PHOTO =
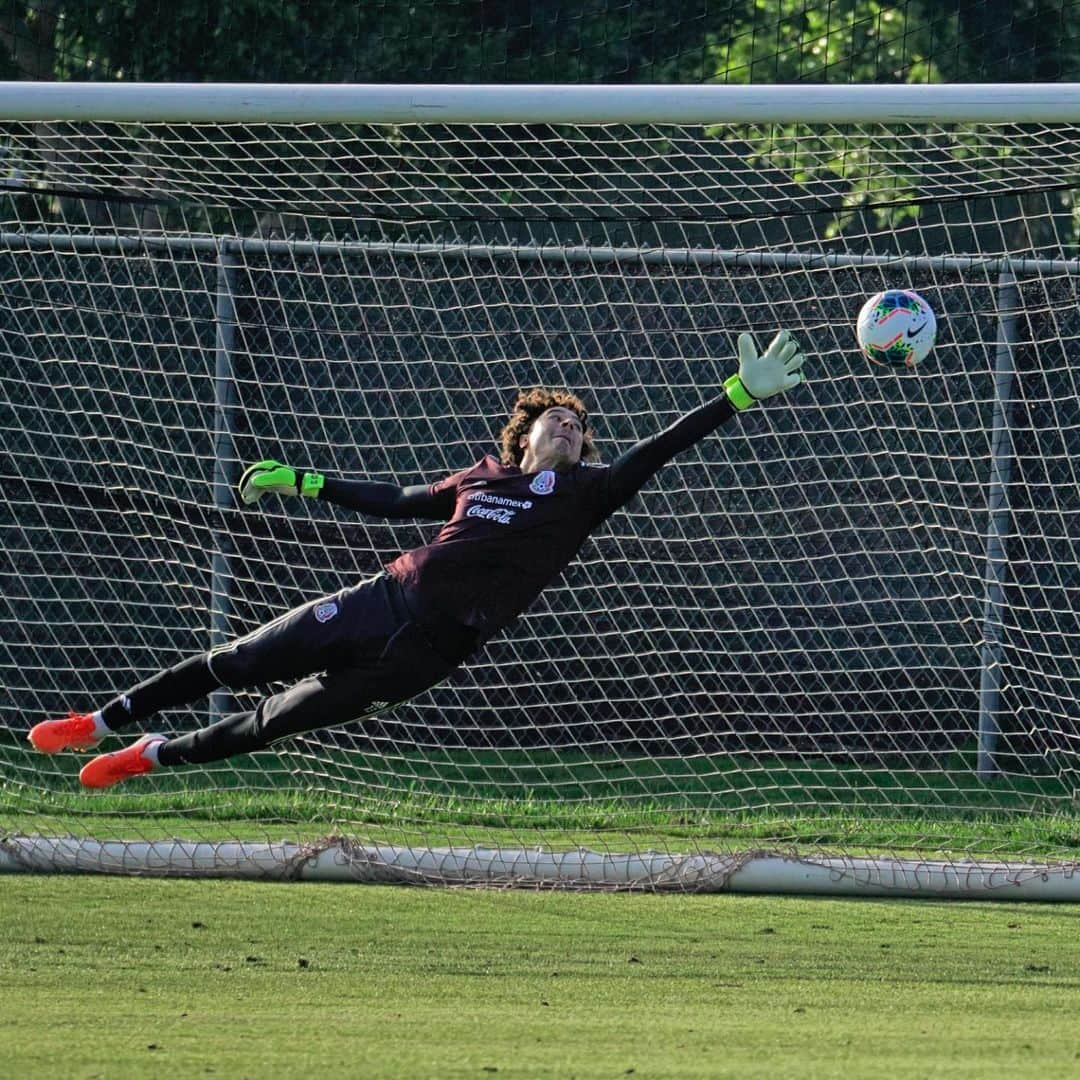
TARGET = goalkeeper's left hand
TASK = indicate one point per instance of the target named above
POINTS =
(777, 369)
(266, 476)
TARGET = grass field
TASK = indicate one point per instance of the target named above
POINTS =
(123, 977)
(120, 977)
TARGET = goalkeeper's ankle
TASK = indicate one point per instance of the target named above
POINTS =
(115, 715)
(150, 750)
(101, 729)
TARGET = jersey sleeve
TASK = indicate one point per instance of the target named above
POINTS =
(632, 469)
(390, 500)
(434, 502)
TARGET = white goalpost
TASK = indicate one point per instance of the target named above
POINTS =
(833, 651)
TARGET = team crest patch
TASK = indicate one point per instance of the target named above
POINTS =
(325, 612)
(543, 483)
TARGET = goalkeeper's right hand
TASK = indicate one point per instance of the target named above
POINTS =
(266, 476)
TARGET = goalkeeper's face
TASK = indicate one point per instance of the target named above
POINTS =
(554, 440)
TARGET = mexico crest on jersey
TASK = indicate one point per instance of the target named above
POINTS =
(325, 612)
(543, 483)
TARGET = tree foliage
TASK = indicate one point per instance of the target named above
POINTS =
(540, 40)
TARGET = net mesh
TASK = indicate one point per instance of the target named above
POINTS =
(781, 641)
(768, 184)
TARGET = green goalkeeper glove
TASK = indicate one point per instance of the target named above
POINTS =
(266, 476)
(779, 368)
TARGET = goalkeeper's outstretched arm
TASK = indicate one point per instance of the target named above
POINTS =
(364, 496)
(760, 376)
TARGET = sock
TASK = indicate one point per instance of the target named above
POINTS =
(150, 751)
(100, 727)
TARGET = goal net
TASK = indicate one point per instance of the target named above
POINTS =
(834, 641)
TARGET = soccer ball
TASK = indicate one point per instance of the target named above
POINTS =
(896, 328)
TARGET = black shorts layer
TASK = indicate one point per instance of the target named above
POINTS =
(349, 630)
(363, 649)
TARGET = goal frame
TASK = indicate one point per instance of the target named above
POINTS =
(376, 103)
(768, 871)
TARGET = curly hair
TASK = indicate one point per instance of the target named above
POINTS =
(530, 404)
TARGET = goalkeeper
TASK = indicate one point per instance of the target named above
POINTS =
(511, 526)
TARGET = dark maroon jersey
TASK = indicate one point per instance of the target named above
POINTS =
(510, 535)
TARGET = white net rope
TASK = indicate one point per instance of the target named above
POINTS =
(780, 642)
(418, 173)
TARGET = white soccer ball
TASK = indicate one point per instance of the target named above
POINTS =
(896, 328)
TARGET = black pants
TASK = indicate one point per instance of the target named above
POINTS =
(363, 650)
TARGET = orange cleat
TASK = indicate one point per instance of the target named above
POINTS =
(108, 769)
(75, 732)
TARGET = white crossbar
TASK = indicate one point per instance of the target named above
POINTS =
(550, 104)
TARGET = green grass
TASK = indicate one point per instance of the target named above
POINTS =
(120, 977)
(707, 802)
